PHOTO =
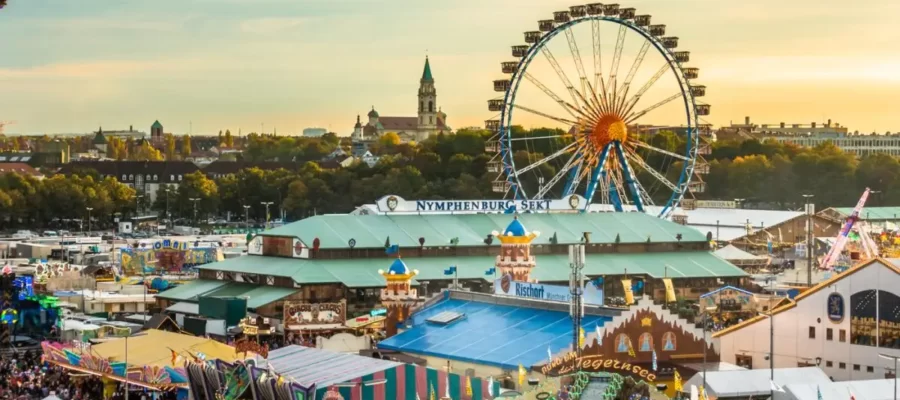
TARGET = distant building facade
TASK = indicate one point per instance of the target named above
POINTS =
(314, 132)
(429, 121)
(814, 134)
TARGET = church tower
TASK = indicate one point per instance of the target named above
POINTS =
(357, 130)
(515, 256)
(428, 109)
(398, 297)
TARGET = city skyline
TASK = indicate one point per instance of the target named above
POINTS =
(236, 64)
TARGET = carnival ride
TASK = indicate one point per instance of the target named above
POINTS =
(599, 147)
(843, 237)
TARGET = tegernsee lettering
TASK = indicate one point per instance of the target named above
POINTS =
(567, 363)
(482, 205)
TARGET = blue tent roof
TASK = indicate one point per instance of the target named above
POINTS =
(398, 267)
(515, 228)
(490, 334)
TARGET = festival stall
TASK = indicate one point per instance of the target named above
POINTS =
(152, 359)
(167, 256)
(742, 258)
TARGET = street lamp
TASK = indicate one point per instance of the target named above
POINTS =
(89, 219)
(771, 318)
(168, 217)
(894, 358)
(247, 217)
(267, 204)
(809, 239)
(195, 200)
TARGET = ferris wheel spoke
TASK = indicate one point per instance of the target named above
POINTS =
(544, 160)
(559, 72)
(647, 85)
(630, 180)
(596, 174)
(635, 116)
(614, 69)
(639, 143)
(637, 160)
(626, 85)
(534, 138)
(598, 59)
(566, 106)
(564, 171)
(576, 55)
(545, 115)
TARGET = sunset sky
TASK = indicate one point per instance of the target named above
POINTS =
(70, 66)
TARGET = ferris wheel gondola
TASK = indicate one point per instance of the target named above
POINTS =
(599, 146)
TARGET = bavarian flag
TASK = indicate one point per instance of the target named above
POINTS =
(678, 385)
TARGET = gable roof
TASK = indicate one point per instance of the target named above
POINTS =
(399, 123)
(19, 168)
(892, 265)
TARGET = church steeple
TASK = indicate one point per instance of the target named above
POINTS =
(427, 100)
(426, 74)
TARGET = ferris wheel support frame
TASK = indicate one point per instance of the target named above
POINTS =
(690, 105)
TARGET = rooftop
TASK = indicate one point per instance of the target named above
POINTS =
(490, 334)
(257, 296)
(363, 272)
(875, 389)
(322, 368)
(873, 213)
(756, 382)
(371, 231)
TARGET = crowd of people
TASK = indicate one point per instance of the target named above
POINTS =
(25, 377)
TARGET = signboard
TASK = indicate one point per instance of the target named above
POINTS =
(396, 204)
(505, 286)
(598, 363)
(835, 307)
(277, 246)
(311, 316)
(715, 203)
(255, 247)
(299, 249)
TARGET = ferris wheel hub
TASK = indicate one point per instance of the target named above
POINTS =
(608, 129)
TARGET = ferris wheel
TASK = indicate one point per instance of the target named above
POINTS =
(631, 141)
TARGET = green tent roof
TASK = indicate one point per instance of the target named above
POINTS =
(363, 272)
(191, 290)
(873, 213)
(371, 231)
(426, 74)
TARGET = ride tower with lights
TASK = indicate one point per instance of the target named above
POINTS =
(398, 297)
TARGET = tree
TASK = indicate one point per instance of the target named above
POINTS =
(186, 146)
(145, 152)
(228, 140)
(389, 139)
(170, 146)
(197, 186)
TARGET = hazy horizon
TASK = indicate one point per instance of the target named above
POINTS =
(71, 67)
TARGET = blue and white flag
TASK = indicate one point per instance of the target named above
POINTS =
(654, 359)
(599, 335)
(549, 354)
(450, 271)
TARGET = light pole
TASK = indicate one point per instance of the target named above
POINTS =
(137, 204)
(890, 357)
(247, 218)
(576, 307)
(168, 217)
(771, 318)
(267, 204)
(89, 219)
(809, 239)
(195, 200)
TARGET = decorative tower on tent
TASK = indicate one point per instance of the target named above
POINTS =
(398, 297)
(515, 256)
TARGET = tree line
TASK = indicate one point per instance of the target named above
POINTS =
(446, 166)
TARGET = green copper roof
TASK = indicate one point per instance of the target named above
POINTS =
(99, 138)
(363, 272)
(156, 125)
(371, 231)
(426, 74)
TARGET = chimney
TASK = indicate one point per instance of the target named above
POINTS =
(746, 120)
(813, 124)
(130, 128)
(829, 123)
(782, 124)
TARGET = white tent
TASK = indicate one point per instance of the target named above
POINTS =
(739, 257)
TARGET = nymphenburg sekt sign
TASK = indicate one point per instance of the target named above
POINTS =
(397, 204)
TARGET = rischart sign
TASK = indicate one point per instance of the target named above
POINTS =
(595, 363)
(505, 286)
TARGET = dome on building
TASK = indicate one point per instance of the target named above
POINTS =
(515, 228)
(373, 113)
(398, 267)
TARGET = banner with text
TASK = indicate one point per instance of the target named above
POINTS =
(505, 286)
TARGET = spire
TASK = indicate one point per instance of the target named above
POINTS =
(426, 74)
(358, 124)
